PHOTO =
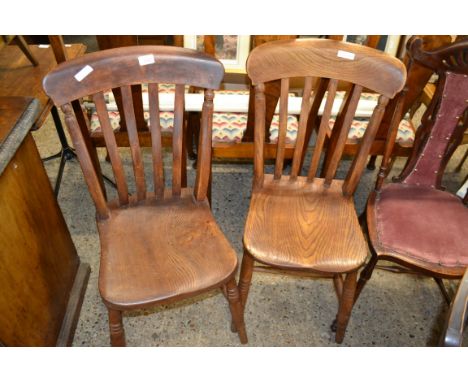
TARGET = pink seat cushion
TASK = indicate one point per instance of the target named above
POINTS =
(423, 223)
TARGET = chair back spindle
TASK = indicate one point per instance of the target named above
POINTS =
(323, 64)
(442, 124)
(123, 69)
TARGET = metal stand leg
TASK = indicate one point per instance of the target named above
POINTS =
(67, 153)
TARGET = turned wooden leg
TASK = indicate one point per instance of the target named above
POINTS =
(245, 276)
(237, 312)
(365, 275)
(346, 304)
(117, 334)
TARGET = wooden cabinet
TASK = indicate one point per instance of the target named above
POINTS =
(42, 281)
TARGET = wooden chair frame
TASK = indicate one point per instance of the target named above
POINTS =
(445, 61)
(191, 271)
(315, 60)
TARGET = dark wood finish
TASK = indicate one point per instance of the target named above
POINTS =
(58, 47)
(19, 78)
(170, 256)
(23, 45)
(305, 223)
(417, 78)
(457, 316)
(41, 280)
(428, 159)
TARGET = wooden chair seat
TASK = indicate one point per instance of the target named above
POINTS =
(294, 225)
(143, 245)
(161, 246)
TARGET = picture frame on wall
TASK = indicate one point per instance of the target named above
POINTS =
(231, 50)
(388, 43)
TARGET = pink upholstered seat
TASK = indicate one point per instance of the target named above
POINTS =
(422, 222)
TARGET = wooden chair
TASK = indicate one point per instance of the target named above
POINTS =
(458, 316)
(302, 223)
(229, 150)
(162, 246)
(430, 236)
(417, 78)
(22, 44)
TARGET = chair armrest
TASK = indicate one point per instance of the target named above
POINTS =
(453, 336)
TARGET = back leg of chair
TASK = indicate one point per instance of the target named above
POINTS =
(237, 312)
(443, 290)
(346, 305)
(365, 275)
(460, 165)
(117, 334)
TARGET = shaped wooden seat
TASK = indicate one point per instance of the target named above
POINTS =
(299, 221)
(290, 225)
(162, 244)
(176, 247)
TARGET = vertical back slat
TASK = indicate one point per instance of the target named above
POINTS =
(391, 138)
(83, 123)
(156, 144)
(137, 160)
(301, 133)
(86, 163)
(259, 137)
(204, 148)
(322, 131)
(343, 123)
(111, 146)
(359, 162)
(177, 137)
(283, 123)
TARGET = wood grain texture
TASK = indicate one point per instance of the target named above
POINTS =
(156, 142)
(120, 66)
(162, 247)
(369, 68)
(36, 275)
(177, 137)
(323, 128)
(112, 149)
(283, 121)
(309, 224)
(308, 219)
(19, 78)
(178, 251)
(137, 160)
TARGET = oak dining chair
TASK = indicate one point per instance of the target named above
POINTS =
(299, 222)
(159, 244)
(412, 221)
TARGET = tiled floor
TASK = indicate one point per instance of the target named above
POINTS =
(393, 310)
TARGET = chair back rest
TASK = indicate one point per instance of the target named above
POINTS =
(443, 123)
(93, 74)
(322, 64)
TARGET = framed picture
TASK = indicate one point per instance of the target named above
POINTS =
(231, 50)
(387, 43)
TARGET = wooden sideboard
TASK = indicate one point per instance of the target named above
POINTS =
(42, 281)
